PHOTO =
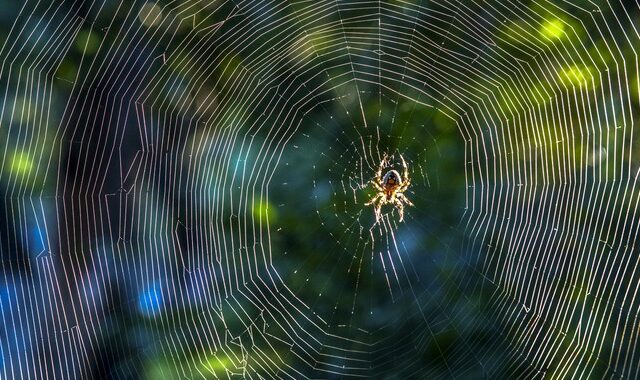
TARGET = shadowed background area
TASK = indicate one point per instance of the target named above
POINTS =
(184, 188)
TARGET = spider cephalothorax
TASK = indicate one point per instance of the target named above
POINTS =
(391, 188)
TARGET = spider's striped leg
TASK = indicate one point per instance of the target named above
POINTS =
(405, 176)
(374, 199)
(405, 172)
(377, 212)
(376, 184)
(406, 182)
(404, 198)
(377, 201)
(382, 165)
(400, 206)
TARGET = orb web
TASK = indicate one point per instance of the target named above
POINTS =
(184, 188)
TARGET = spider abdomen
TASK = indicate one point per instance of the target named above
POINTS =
(391, 180)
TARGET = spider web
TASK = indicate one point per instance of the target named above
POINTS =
(184, 186)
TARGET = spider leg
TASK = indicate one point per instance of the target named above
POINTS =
(377, 201)
(405, 176)
(381, 167)
(377, 185)
(377, 212)
(374, 199)
(406, 182)
(400, 206)
(404, 198)
(405, 172)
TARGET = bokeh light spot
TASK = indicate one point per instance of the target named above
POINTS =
(150, 300)
(218, 364)
(264, 209)
(552, 29)
(21, 164)
(150, 14)
(87, 42)
(575, 75)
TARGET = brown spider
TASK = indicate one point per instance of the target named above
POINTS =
(390, 189)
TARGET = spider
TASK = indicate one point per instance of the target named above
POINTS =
(390, 189)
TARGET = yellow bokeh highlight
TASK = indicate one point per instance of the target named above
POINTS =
(264, 209)
(218, 364)
(21, 164)
(633, 87)
(552, 29)
(576, 75)
(87, 42)
(150, 14)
